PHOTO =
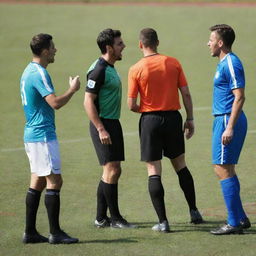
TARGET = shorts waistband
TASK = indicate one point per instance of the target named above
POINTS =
(226, 114)
(161, 113)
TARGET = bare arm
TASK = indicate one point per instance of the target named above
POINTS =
(132, 105)
(57, 102)
(93, 115)
(187, 101)
(236, 110)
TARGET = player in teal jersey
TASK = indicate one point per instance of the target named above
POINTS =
(39, 102)
(102, 103)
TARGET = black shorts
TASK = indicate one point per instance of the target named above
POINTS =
(113, 152)
(161, 133)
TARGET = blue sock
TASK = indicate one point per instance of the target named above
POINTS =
(231, 197)
(242, 215)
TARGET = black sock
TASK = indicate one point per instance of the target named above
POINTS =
(156, 192)
(52, 203)
(32, 203)
(111, 195)
(101, 203)
(187, 185)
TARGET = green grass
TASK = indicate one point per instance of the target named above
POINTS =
(145, 1)
(183, 33)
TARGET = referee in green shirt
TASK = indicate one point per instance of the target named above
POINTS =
(102, 102)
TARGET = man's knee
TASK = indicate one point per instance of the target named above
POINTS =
(37, 183)
(54, 181)
(112, 172)
(224, 171)
(179, 162)
(154, 168)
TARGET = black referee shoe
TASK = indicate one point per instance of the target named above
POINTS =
(196, 217)
(62, 238)
(33, 238)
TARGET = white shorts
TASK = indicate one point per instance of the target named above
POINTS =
(44, 157)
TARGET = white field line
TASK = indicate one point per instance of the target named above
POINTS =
(66, 142)
(133, 133)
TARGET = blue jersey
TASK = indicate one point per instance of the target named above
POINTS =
(35, 84)
(229, 76)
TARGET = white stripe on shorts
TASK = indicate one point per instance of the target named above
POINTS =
(223, 146)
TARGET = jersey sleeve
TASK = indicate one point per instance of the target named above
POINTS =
(43, 83)
(132, 84)
(182, 81)
(235, 74)
(95, 79)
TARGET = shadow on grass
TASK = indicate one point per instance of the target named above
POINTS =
(185, 225)
(105, 241)
(206, 226)
(144, 224)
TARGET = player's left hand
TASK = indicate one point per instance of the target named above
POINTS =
(189, 128)
(74, 83)
(227, 136)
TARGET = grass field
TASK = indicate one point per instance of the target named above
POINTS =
(141, 1)
(183, 33)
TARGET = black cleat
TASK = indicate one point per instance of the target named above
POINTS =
(103, 223)
(121, 223)
(62, 238)
(196, 217)
(162, 227)
(227, 230)
(245, 224)
(34, 238)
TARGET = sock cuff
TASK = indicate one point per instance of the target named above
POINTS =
(228, 180)
(109, 184)
(52, 192)
(154, 177)
(34, 192)
(183, 171)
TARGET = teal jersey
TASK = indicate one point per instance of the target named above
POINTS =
(35, 84)
(104, 81)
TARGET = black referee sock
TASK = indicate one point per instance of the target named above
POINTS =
(111, 195)
(101, 203)
(187, 185)
(52, 203)
(32, 203)
(156, 192)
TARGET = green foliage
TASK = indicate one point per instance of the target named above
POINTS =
(183, 33)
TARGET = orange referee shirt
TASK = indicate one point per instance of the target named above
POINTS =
(157, 79)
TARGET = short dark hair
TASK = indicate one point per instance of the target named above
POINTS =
(149, 38)
(107, 37)
(226, 33)
(40, 42)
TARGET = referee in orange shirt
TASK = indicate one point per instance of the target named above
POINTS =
(158, 79)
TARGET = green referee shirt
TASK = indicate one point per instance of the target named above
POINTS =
(104, 81)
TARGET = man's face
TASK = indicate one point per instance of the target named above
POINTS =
(215, 44)
(51, 53)
(118, 47)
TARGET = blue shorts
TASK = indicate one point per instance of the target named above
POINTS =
(228, 154)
